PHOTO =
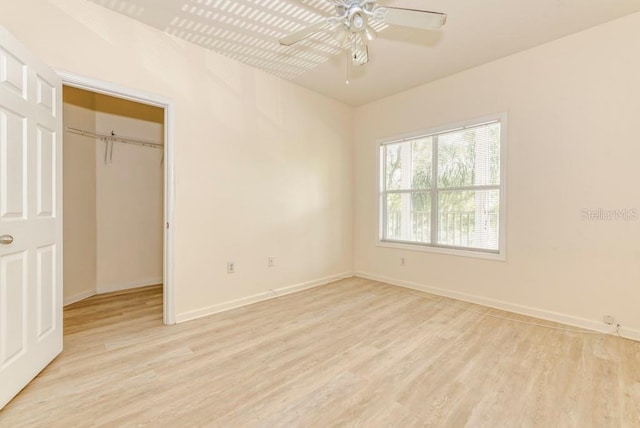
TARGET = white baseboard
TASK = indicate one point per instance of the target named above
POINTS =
(571, 320)
(265, 295)
(630, 333)
(77, 297)
(128, 285)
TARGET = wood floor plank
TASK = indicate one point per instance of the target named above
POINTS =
(351, 353)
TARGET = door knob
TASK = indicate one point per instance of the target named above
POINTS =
(6, 239)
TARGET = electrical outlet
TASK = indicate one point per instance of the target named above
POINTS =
(231, 267)
(608, 319)
(403, 262)
(271, 261)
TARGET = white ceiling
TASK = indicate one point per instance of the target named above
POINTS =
(476, 32)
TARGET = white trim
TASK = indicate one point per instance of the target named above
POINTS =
(630, 333)
(502, 118)
(80, 296)
(169, 216)
(108, 288)
(265, 295)
(558, 317)
(462, 252)
(112, 89)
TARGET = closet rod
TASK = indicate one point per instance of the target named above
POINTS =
(114, 137)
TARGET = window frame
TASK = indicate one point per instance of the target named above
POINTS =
(500, 254)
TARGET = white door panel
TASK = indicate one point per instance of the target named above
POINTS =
(30, 213)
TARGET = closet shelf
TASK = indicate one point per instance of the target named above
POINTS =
(112, 137)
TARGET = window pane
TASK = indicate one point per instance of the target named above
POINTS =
(394, 216)
(469, 218)
(421, 163)
(393, 166)
(494, 153)
(408, 165)
(408, 217)
(469, 157)
(421, 217)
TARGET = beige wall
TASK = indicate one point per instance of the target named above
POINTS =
(79, 176)
(129, 197)
(573, 108)
(263, 167)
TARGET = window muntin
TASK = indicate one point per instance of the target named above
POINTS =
(444, 189)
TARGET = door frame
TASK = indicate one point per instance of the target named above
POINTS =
(118, 91)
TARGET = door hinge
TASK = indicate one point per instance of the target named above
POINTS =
(167, 225)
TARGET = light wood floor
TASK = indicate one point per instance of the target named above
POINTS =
(351, 353)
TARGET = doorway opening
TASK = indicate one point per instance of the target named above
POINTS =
(118, 187)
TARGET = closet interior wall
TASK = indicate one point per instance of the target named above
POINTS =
(126, 192)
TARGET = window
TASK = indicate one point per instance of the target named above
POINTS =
(443, 190)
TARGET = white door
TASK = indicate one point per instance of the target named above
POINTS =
(30, 216)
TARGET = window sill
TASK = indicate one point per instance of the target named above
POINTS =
(443, 250)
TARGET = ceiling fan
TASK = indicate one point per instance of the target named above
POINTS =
(352, 26)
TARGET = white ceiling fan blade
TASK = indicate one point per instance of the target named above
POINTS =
(413, 18)
(302, 34)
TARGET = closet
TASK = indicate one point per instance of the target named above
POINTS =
(113, 194)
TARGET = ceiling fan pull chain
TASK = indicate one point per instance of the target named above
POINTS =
(349, 60)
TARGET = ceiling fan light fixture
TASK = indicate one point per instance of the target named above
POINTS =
(358, 22)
